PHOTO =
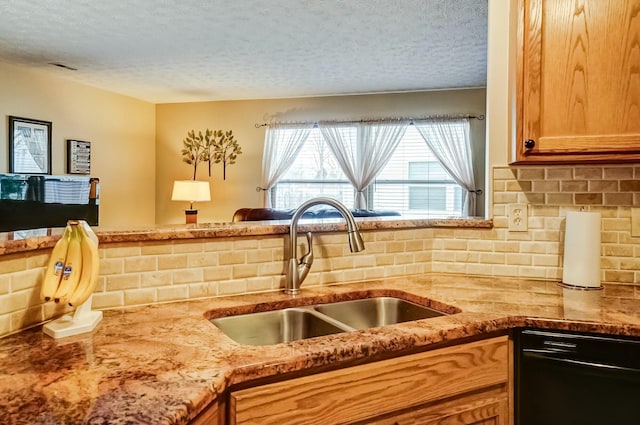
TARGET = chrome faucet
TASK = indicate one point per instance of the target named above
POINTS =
(298, 270)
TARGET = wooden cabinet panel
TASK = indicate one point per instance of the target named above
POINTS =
(578, 83)
(371, 390)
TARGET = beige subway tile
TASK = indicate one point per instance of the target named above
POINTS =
(121, 251)
(416, 268)
(342, 263)
(393, 246)
(455, 244)
(482, 245)
(124, 281)
(385, 236)
(232, 287)
(499, 186)
(554, 223)
(218, 246)
(202, 259)
(270, 242)
(559, 198)
(532, 247)
(500, 210)
(203, 289)
(393, 271)
(546, 186)
(492, 258)
(260, 256)
(326, 251)
(616, 224)
(504, 173)
(404, 258)
(588, 198)
(25, 318)
(14, 302)
(140, 296)
(109, 266)
(569, 186)
(173, 293)
(618, 199)
(611, 211)
(171, 262)
(545, 235)
(636, 199)
(526, 173)
(506, 246)
(156, 248)
(269, 269)
(518, 186)
(158, 278)
(232, 258)
(504, 270)
(217, 273)
(618, 173)
(553, 247)
(187, 276)
(544, 210)
(610, 263)
(505, 197)
(480, 269)
(260, 284)
(518, 259)
(245, 243)
(535, 222)
(555, 173)
(417, 245)
(531, 272)
(617, 250)
(5, 324)
(588, 173)
(37, 260)
(603, 186)
(442, 256)
(140, 264)
(12, 263)
(531, 198)
(27, 279)
(618, 276)
(360, 261)
(374, 273)
(500, 222)
(630, 264)
(5, 284)
(554, 273)
(328, 238)
(440, 233)
(244, 270)
(107, 300)
(188, 246)
(467, 257)
(546, 260)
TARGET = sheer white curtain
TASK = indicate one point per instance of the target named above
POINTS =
(282, 143)
(449, 140)
(362, 150)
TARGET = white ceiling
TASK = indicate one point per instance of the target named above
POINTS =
(196, 50)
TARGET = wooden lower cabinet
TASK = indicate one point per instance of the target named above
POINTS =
(461, 384)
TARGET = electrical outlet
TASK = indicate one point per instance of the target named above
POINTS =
(518, 217)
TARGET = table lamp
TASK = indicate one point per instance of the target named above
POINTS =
(191, 191)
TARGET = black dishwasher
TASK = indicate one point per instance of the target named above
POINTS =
(575, 378)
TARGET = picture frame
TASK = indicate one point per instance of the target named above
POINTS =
(29, 146)
(78, 157)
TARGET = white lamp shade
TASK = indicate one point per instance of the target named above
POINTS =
(191, 191)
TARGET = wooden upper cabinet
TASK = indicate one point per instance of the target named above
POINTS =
(578, 81)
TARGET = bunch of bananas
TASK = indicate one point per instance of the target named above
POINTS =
(72, 271)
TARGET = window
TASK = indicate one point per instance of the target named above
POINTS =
(413, 182)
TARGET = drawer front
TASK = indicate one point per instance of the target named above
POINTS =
(361, 392)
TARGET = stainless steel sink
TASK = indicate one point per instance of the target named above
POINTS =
(373, 312)
(274, 327)
(291, 324)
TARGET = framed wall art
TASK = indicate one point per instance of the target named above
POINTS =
(29, 146)
(78, 157)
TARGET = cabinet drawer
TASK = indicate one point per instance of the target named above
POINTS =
(366, 391)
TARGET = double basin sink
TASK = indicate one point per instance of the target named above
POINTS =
(295, 323)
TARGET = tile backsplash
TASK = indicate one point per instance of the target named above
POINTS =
(139, 273)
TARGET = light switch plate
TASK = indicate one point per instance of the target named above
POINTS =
(635, 222)
(518, 217)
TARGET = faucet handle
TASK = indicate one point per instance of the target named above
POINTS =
(307, 259)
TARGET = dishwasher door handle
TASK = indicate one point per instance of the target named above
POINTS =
(559, 357)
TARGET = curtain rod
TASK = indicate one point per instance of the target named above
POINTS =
(315, 123)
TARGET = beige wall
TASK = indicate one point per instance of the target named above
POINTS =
(121, 131)
(174, 120)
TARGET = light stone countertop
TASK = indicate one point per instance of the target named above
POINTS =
(163, 364)
(14, 242)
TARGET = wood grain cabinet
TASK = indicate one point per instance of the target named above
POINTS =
(462, 384)
(578, 81)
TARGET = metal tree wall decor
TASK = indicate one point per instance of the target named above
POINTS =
(225, 149)
(212, 146)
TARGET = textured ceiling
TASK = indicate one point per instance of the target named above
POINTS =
(195, 50)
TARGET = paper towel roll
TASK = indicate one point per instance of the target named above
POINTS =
(582, 249)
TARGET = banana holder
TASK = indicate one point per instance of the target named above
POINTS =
(83, 319)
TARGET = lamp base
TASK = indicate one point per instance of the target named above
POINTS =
(191, 216)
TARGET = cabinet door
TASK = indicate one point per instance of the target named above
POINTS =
(359, 393)
(578, 83)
